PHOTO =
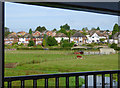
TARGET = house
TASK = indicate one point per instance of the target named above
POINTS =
(59, 37)
(78, 38)
(25, 39)
(49, 33)
(36, 33)
(21, 33)
(115, 38)
(39, 40)
(11, 39)
(95, 37)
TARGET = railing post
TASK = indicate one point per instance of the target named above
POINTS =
(46, 82)
(77, 81)
(67, 82)
(57, 82)
(22, 83)
(86, 81)
(35, 83)
(1, 44)
(94, 78)
(9, 84)
(111, 80)
(103, 80)
(118, 79)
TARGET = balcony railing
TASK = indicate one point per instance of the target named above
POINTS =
(9, 80)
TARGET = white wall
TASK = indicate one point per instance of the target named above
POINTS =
(59, 38)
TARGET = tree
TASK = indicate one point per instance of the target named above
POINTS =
(107, 30)
(51, 41)
(30, 31)
(62, 30)
(86, 28)
(98, 28)
(102, 40)
(44, 43)
(84, 31)
(54, 29)
(93, 28)
(7, 32)
(115, 29)
(41, 29)
(69, 34)
(31, 43)
(66, 27)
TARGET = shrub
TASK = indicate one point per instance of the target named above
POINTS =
(21, 44)
(114, 46)
(90, 45)
(66, 43)
(51, 41)
(31, 43)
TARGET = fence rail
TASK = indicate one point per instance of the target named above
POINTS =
(9, 80)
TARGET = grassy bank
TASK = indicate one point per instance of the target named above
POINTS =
(33, 62)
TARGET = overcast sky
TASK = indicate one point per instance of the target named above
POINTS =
(19, 17)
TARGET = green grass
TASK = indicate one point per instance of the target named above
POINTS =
(32, 62)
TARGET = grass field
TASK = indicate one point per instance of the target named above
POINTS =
(33, 62)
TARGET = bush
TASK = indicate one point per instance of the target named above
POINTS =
(30, 49)
(21, 44)
(90, 45)
(66, 43)
(51, 41)
(114, 46)
(44, 48)
(31, 43)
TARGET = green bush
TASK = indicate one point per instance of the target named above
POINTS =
(68, 48)
(31, 43)
(90, 45)
(30, 49)
(114, 46)
(65, 43)
(51, 41)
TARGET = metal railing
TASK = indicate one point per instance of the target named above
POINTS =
(9, 80)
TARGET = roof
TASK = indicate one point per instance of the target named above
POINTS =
(28, 36)
(40, 36)
(115, 36)
(98, 33)
(12, 36)
(60, 35)
(78, 34)
(97, 7)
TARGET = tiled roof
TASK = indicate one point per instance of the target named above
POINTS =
(60, 35)
(78, 34)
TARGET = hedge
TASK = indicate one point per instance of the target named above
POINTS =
(43, 48)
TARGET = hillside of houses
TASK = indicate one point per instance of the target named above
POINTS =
(92, 36)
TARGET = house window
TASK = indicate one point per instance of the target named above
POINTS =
(92, 37)
(92, 40)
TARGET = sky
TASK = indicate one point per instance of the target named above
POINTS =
(21, 17)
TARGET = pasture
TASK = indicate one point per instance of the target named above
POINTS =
(31, 62)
